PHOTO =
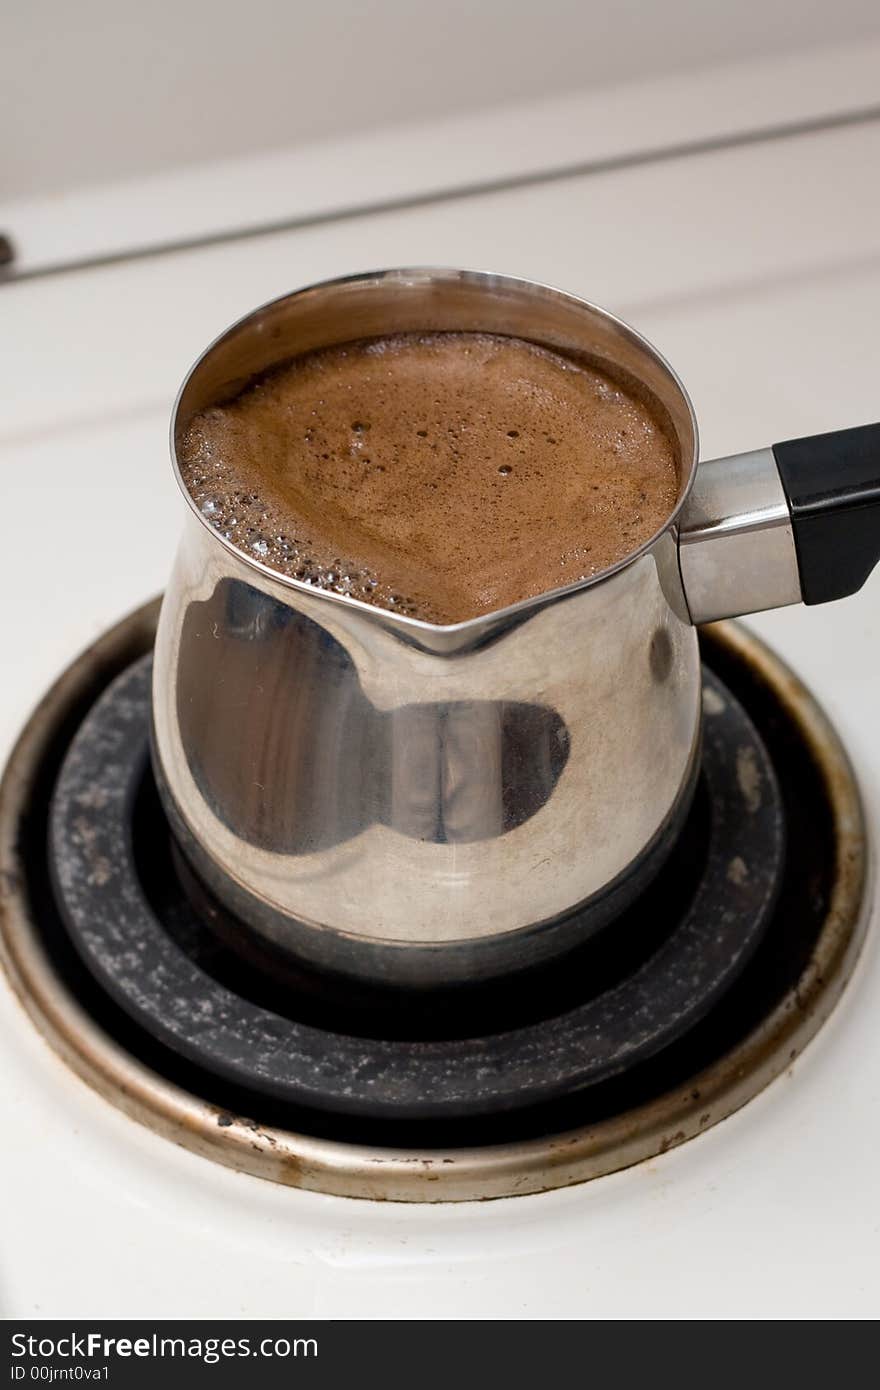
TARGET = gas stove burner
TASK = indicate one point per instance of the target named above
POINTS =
(674, 1016)
(604, 1008)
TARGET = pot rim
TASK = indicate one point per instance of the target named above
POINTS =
(439, 275)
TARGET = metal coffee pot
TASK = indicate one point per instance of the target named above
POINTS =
(423, 805)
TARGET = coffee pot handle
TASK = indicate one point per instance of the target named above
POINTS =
(795, 523)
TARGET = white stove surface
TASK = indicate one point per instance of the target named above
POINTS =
(756, 270)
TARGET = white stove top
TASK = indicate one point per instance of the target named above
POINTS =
(756, 270)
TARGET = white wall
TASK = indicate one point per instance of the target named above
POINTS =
(93, 90)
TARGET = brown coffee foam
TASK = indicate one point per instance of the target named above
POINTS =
(441, 475)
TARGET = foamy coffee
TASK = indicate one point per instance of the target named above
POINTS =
(440, 475)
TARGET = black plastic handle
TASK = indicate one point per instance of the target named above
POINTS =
(833, 487)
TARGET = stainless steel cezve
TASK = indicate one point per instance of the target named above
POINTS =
(424, 804)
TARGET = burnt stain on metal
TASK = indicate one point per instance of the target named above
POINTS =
(737, 871)
(713, 702)
(748, 775)
(672, 1141)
